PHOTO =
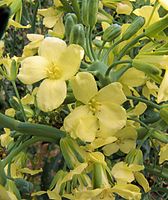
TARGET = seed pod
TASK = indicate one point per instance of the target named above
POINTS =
(89, 12)
(112, 32)
(70, 21)
(4, 17)
(133, 28)
(149, 69)
(77, 35)
(157, 27)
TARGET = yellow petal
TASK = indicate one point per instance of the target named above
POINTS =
(50, 21)
(81, 123)
(51, 94)
(163, 154)
(51, 48)
(111, 116)
(84, 86)
(146, 11)
(140, 178)
(69, 61)
(121, 172)
(33, 69)
(110, 149)
(127, 191)
(163, 90)
(124, 8)
(59, 28)
(111, 93)
(99, 142)
(34, 37)
(133, 77)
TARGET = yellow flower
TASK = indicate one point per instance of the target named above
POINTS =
(125, 173)
(126, 140)
(55, 63)
(53, 18)
(163, 154)
(103, 108)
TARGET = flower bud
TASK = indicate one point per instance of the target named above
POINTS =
(147, 68)
(112, 32)
(70, 21)
(135, 26)
(135, 156)
(89, 12)
(77, 35)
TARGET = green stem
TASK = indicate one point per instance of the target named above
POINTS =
(31, 129)
(102, 11)
(110, 49)
(89, 53)
(132, 43)
(90, 43)
(21, 147)
(99, 53)
(114, 64)
(20, 103)
(150, 103)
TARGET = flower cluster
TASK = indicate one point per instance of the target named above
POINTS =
(92, 83)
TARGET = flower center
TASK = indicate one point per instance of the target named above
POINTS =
(54, 72)
(94, 106)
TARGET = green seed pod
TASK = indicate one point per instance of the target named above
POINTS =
(135, 26)
(70, 21)
(157, 27)
(112, 32)
(77, 35)
(89, 12)
(149, 69)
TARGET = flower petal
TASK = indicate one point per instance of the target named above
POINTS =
(81, 123)
(69, 61)
(51, 94)
(52, 48)
(84, 86)
(140, 178)
(127, 191)
(33, 69)
(111, 116)
(111, 93)
(110, 149)
(121, 172)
